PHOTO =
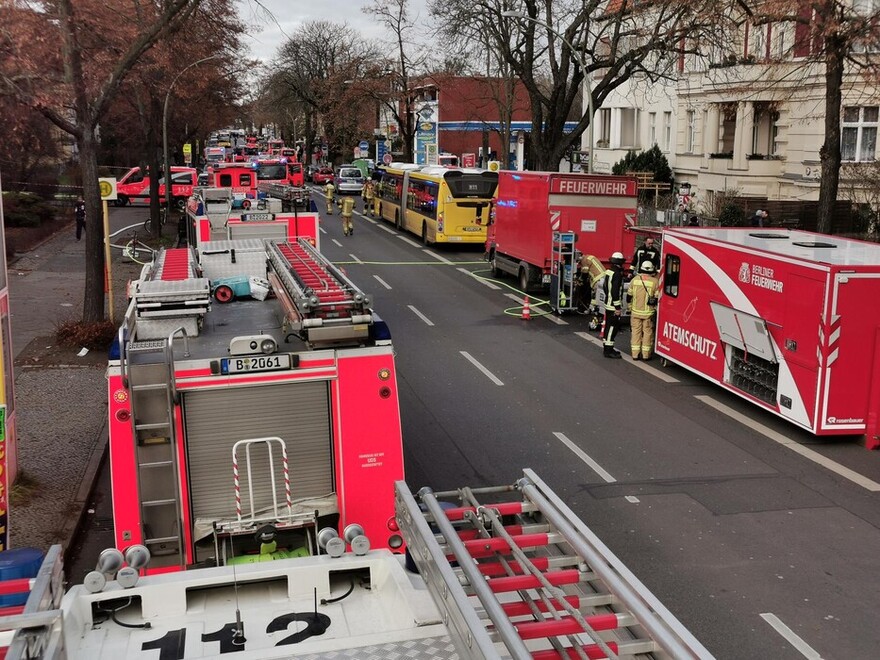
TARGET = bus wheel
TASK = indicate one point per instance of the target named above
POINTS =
(493, 264)
(397, 219)
(223, 294)
(425, 234)
(121, 200)
(179, 203)
(524, 278)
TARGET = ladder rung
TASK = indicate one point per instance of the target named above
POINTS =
(149, 386)
(162, 539)
(155, 425)
(155, 464)
(159, 502)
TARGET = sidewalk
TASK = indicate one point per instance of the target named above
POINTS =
(60, 398)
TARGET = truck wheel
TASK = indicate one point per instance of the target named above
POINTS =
(122, 200)
(425, 241)
(223, 294)
(493, 264)
(179, 203)
(524, 279)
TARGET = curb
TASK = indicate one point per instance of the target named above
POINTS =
(74, 522)
(37, 246)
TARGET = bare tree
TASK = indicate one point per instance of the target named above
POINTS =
(608, 41)
(72, 88)
(843, 37)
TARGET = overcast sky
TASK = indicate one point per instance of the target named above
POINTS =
(267, 35)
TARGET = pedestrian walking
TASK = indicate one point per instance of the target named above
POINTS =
(759, 219)
(612, 286)
(329, 191)
(644, 291)
(369, 194)
(79, 213)
(347, 211)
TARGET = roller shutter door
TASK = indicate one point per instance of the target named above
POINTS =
(298, 413)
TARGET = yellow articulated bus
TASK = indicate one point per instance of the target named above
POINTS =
(442, 205)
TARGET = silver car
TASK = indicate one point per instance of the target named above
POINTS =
(349, 180)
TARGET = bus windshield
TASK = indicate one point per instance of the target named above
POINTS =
(275, 172)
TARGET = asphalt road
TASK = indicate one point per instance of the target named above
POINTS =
(750, 531)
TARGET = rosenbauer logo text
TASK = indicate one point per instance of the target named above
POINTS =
(759, 276)
(690, 340)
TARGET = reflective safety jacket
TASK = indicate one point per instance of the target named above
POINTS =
(643, 254)
(329, 190)
(612, 287)
(641, 288)
(347, 206)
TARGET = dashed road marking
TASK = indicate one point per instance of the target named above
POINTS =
(409, 241)
(479, 279)
(335, 242)
(657, 373)
(382, 282)
(438, 257)
(388, 229)
(470, 358)
(355, 259)
(420, 315)
(791, 637)
(598, 469)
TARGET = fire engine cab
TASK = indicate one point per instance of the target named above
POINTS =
(267, 413)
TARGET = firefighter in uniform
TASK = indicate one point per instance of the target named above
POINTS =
(369, 195)
(647, 252)
(644, 290)
(329, 189)
(347, 210)
(612, 286)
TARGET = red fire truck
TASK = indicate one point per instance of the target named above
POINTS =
(531, 206)
(233, 412)
(784, 319)
(135, 185)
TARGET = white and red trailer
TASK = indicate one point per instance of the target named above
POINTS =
(276, 410)
(786, 319)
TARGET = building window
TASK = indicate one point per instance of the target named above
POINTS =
(652, 128)
(629, 128)
(667, 130)
(691, 131)
(604, 127)
(774, 132)
(859, 140)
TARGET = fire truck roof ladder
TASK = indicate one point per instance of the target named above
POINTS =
(529, 577)
(321, 304)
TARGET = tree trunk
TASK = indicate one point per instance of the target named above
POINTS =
(93, 299)
(829, 154)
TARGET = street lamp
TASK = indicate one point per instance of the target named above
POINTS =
(165, 130)
(581, 63)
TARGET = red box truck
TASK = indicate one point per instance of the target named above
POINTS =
(530, 206)
(785, 319)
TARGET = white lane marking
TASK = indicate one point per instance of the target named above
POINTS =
(557, 320)
(438, 257)
(335, 242)
(479, 279)
(788, 443)
(515, 297)
(355, 259)
(368, 219)
(420, 315)
(805, 649)
(385, 227)
(322, 230)
(409, 241)
(598, 469)
(382, 282)
(657, 373)
(488, 374)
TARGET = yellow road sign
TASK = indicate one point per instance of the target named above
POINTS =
(107, 186)
(187, 148)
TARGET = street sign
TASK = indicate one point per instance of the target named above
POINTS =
(387, 159)
(357, 152)
(364, 146)
(187, 153)
(107, 186)
(468, 160)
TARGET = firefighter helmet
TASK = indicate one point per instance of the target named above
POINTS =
(617, 258)
(646, 267)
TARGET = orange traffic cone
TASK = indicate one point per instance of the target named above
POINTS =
(526, 312)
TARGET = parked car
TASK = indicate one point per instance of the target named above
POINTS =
(349, 180)
(310, 171)
(323, 176)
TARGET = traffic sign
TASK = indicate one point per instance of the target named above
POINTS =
(387, 159)
(357, 152)
(107, 187)
(364, 146)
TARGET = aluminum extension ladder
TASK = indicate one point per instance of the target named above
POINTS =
(523, 577)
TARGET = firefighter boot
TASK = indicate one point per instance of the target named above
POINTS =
(610, 352)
